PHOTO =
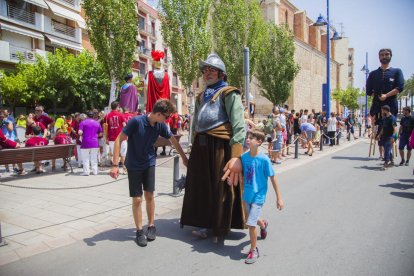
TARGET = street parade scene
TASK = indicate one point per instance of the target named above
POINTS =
(155, 137)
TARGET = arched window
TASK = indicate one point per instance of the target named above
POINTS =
(286, 18)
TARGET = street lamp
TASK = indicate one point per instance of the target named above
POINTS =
(322, 22)
(366, 70)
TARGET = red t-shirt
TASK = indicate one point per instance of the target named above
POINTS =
(6, 143)
(29, 129)
(114, 119)
(174, 121)
(45, 120)
(36, 142)
(62, 139)
(128, 116)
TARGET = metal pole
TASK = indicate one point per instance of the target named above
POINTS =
(321, 141)
(2, 242)
(328, 63)
(296, 146)
(176, 175)
(246, 70)
(366, 79)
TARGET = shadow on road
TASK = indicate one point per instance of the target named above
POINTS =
(354, 158)
(406, 180)
(170, 229)
(398, 186)
(405, 195)
(377, 168)
(117, 234)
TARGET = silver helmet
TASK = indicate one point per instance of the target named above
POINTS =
(213, 60)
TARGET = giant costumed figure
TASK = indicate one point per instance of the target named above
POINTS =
(128, 97)
(158, 82)
(209, 202)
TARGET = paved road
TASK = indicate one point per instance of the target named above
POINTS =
(343, 217)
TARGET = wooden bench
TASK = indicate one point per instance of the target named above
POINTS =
(161, 142)
(32, 154)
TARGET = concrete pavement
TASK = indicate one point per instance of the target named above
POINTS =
(41, 213)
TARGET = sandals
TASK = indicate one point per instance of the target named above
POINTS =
(202, 233)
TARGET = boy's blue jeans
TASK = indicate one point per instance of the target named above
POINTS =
(387, 148)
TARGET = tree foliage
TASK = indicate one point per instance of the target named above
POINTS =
(408, 87)
(348, 97)
(184, 29)
(112, 29)
(277, 68)
(61, 80)
(236, 24)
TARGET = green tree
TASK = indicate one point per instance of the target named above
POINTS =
(184, 29)
(277, 68)
(348, 97)
(14, 89)
(112, 28)
(236, 24)
(408, 87)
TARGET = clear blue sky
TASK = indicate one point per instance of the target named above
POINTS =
(370, 25)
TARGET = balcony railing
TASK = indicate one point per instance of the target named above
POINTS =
(63, 29)
(26, 54)
(21, 14)
(143, 50)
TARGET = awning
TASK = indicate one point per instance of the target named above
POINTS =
(22, 31)
(66, 13)
(60, 42)
(39, 3)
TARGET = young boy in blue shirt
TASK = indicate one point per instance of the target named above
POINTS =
(257, 168)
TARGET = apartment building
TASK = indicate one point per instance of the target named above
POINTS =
(150, 38)
(32, 27)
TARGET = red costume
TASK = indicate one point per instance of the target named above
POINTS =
(157, 90)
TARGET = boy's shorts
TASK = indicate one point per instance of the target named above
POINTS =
(404, 142)
(253, 210)
(277, 145)
(141, 179)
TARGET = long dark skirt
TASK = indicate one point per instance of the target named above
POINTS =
(208, 201)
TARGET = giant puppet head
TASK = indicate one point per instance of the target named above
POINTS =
(157, 56)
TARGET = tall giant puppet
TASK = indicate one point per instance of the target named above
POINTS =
(128, 98)
(158, 82)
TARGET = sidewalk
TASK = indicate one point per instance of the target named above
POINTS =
(39, 213)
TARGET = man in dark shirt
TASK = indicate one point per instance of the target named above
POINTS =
(387, 134)
(406, 127)
(383, 85)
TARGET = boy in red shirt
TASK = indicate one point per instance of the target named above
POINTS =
(61, 138)
(116, 122)
(37, 141)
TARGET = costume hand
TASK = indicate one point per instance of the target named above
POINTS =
(17, 145)
(279, 204)
(114, 172)
(233, 171)
(383, 97)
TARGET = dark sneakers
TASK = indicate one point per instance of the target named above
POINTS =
(263, 231)
(140, 239)
(151, 231)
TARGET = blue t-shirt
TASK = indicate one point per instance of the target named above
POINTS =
(256, 170)
(307, 127)
(141, 138)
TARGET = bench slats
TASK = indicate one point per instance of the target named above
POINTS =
(22, 155)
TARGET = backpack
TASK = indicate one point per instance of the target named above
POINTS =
(268, 127)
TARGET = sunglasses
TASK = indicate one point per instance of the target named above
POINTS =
(209, 69)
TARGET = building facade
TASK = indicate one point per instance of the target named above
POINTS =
(32, 27)
(310, 55)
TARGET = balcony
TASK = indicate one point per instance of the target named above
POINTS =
(20, 16)
(62, 30)
(73, 4)
(143, 51)
(27, 54)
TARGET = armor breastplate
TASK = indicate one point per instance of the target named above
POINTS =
(159, 75)
(211, 115)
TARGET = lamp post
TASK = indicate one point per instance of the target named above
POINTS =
(366, 70)
(322, 22)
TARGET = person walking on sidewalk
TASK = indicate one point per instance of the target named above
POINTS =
(308, 132)
(387, 134)
(332, 128)
(257, 169)
(142, 132)
(406, 127)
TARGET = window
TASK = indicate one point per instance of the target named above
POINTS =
(142, 69)
(153, 28)
(175, 79)
(141, 23)
(153, 46)
(166, 55)
(286, 17)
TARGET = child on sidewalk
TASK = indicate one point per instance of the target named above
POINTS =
(257, 168)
